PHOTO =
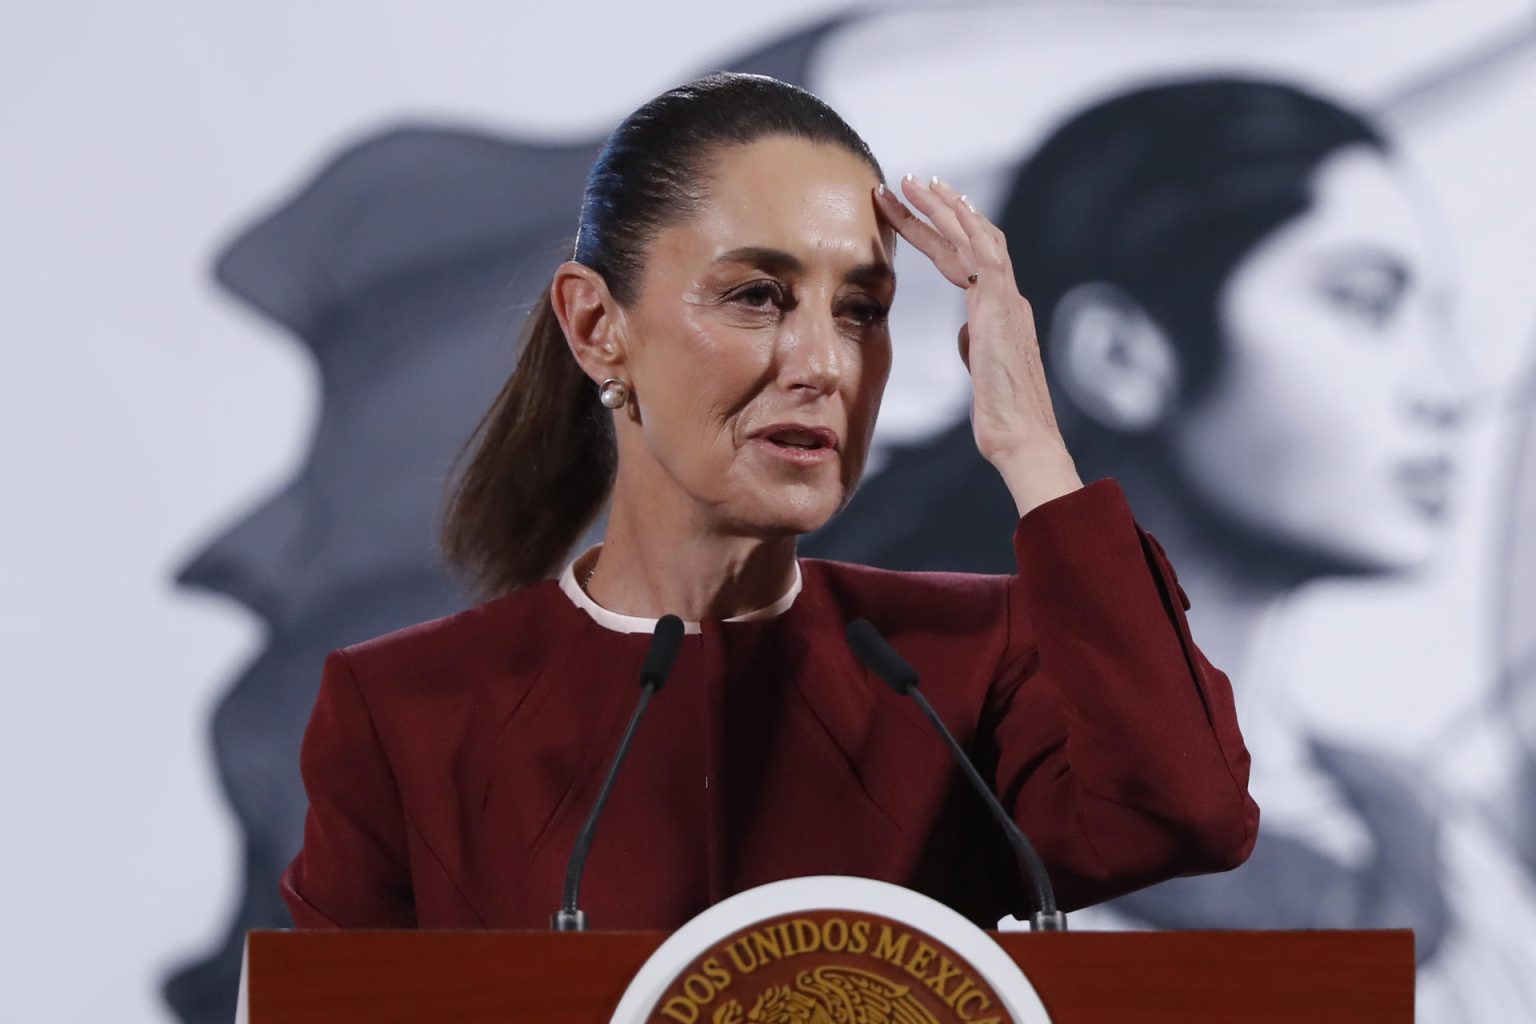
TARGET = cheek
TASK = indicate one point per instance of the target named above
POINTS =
(1321, 384)
(1302, 433)
(700, 376)
(1309, 386)
(864, 393)
(873, 370)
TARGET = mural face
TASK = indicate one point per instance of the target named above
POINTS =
(1328, 428)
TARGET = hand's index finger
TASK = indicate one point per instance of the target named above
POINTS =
(933, 201)
(925, 238)
(907, 224)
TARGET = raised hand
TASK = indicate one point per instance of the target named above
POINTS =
(1011, 414)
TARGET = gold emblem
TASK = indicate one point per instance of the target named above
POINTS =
(831, 995)
(829, 967)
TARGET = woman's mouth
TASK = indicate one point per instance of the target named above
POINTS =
(1426, 483)
(797, 444)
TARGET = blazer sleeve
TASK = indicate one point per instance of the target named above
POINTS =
(353, 870)
(1116, 742)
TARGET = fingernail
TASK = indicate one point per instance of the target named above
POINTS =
(933, 182)
(909, 177)
(880, 189)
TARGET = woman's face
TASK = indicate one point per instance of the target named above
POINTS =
(758, 346)
(1328, 430)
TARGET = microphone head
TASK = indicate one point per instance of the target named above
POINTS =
(666, 640)
(880, 657)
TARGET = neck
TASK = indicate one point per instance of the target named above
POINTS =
(1234, 584)
(657, 561)
(1227, 610)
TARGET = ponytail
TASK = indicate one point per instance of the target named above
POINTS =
(543, 465)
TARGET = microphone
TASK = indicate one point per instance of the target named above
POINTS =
(665, 642)
(881, 659)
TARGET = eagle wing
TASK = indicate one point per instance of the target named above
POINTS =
(853, 996)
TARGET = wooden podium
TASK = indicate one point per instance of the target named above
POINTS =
(1082, 977)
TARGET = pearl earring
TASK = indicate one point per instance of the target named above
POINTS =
(613, 393)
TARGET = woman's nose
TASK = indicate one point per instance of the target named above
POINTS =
(1441, 401)
(815, 356)
(1443, 392)
(1440, 412)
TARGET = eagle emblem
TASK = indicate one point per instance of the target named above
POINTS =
(831, 995)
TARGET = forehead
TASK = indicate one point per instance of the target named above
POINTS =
(1361, 200)
(809, 199)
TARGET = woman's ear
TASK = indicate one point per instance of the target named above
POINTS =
(591, 319)
(1111, 360)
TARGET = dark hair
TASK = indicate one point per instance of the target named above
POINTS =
(1162, 191)
(544, 457)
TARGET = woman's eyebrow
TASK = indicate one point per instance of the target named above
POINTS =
(1369, 258)
(872, 274)
(778, 261)
(773, 260)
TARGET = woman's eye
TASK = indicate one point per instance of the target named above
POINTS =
(760, 296)
(1371, 295)
(867, 314)
(1374, 306)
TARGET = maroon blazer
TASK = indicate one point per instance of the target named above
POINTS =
(449, 765)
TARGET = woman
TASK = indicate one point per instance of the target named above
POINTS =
(1256, 343)
(713, 356)
(1290, 416)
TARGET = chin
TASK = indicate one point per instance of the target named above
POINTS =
(798, 514)
(1385, 549)
(1407, 556)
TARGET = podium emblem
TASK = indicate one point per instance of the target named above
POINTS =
(830, 950)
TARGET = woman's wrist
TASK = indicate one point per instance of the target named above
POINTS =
(1037, 473)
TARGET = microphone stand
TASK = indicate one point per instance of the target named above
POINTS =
(880, 658)
(665, 642)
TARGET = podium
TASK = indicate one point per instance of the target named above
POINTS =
(307, 977)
